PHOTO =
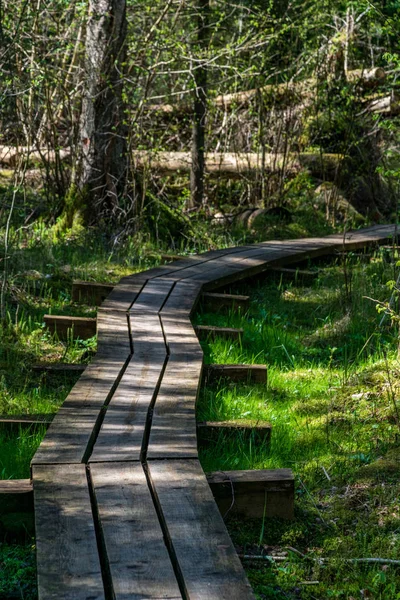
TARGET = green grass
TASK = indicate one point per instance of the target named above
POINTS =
(331, 395)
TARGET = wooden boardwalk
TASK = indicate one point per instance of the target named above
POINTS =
(123, 509)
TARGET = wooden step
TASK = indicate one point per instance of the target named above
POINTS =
(59, 368)
(214, 301)
(78, 327)
(17, 421)
(252, 494)
(209, 432)
(88, 292)
(16, 509)
(211, 332)
(301, 275)
(236, 373)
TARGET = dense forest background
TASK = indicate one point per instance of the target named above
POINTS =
(162, 117)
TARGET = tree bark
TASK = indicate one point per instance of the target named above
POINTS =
(199, 109)
(102, 163)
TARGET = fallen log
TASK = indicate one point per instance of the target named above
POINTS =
(12, 155)
(389, 106)
(281, 93)
(234, 164)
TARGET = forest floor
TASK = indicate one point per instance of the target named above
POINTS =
(331, 398)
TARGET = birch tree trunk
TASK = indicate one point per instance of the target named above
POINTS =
(102, 161)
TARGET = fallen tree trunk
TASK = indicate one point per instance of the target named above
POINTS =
(232, 164)
(13, 155)
(389, 106)
(281, 93)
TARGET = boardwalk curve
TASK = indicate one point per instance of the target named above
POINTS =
(123, 509)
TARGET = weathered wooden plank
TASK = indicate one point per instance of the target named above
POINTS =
(153, 296)
(67, 555)
(140, 566)
(209, 565)
(216, 301)
(59, 368)
(16, 495)
(209, 331)
(26, 420)
(113, 335)
(301, 275)
(16, 510)
(89, 292)
(63, 326)
(74, 428)
(122, 433)
(173, 427)
(183, 299)
(253, 494)
(238, 373)
(256, 432)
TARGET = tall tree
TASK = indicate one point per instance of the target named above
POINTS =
(102, 162)
(199, 68)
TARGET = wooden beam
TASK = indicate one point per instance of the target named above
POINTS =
(82, 327)
(208, 331)
(236, 373)
(88, 292)
(303, 275)
(16, 509)
(16, 421)
(59, 368)
(254, 493)
(208, 432)
(213, 301)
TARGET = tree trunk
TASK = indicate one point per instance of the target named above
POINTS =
(102, 162)
(199, 109)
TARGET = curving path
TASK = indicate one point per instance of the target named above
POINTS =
(122, 507)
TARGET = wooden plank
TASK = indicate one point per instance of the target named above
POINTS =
(27, 420)
(209, 432)
(297, 275)
(16, 510)
(173, 427)
(88, 292)
(122, 433)
(73, 431)
(59, 368)
(113, 335)
(153, 296)
(67, 556)
(16, 495)
(205, 332)
(140, 565)
(63, 326)
(253, 494)
(183, 299)
(215, 301)
(237, 373)
(209, 565)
